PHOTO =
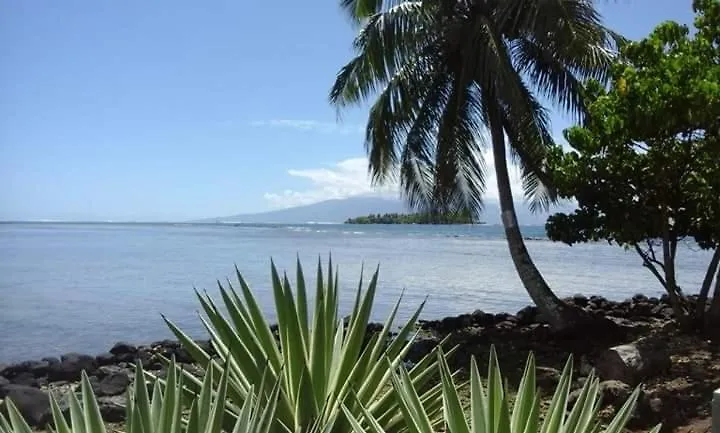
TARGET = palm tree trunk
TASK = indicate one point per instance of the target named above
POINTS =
(556, 312)
(713, 316)
(705, 288)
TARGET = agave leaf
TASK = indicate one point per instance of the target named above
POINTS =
(368, 417)
(194, 350)
(91, 411)
(59, 420)
(624, 413)
(260, 325)
(558, 405)
(495, 392)
(525, 397)
(228, 339)
(17, 423)
(591, 408)
(379, 344)
(454, 414)
(302, 302)
(5, 426)
(265, 419)
(193, 425)
(533, 419)
(216, 412)
(656, 429)
(355, 334)
(321, 359)
(400, 342)
(583, 405)
(242, 325)
(480, 419)
(246, 413)
(156, 404)
(77, 420)
(504, 416)
(167, 410)
(410, 401)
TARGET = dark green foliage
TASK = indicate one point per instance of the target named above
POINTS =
(416, 218)
(644, 169)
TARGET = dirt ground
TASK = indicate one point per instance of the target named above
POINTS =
(679, 397)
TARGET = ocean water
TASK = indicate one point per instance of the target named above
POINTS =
(82, 287)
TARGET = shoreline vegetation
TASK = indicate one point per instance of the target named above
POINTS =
(454, 218)
(678, 371)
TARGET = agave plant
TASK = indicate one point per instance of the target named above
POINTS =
(490, 410)
(168, 411)
(314, 356)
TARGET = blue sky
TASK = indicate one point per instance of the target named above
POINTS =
(160, 110)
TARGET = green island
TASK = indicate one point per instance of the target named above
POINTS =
(416, 218)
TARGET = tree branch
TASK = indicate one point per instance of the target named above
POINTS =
(648, 263)
(650, 256)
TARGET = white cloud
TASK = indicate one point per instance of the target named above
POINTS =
(350, 178)
(310, 125)
(345, 179)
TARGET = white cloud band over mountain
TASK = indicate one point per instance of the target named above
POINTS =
(349, 178)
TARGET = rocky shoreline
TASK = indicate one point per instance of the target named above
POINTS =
(27, 383)
(645, 330)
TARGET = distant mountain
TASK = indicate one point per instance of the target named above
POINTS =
(329, 211)
(337, 211)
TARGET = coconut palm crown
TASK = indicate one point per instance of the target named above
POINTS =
(450, 78)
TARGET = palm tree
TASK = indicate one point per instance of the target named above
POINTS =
(447, 76)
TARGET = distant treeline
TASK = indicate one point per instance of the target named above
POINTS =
(415, 218)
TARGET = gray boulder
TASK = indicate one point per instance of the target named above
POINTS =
(105, 359)
(13, 370)
(51, 360)
(633, 362)
(109, 370)
(615, 392)
(70, 367)
(547, 377)
(25, 378)
(112, 409)
(112, 384)
(122, 348)
(422, 346)
(33, 404)
(40, 368)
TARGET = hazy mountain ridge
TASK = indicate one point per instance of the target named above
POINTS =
(339, 210)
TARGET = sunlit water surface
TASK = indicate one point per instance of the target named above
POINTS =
(81, 287)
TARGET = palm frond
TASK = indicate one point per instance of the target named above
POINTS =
(417, 167)
(357, 10)
(360, 10)
(393, 114)
(529, 138)
(459, 167)
(549, 76)
(573, 31)
(387, 42)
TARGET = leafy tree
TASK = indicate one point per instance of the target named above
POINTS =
(456, 76)
(644, 169)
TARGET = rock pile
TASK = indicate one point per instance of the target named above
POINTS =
(638, 308)
(620, 361)
(28, 383)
